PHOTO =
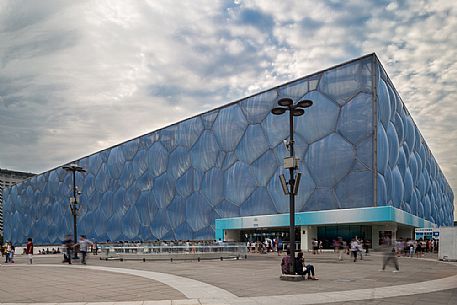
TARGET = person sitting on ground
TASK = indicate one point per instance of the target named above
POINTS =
(303, 270)
(285, 263)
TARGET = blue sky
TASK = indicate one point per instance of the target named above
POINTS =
(80, 76)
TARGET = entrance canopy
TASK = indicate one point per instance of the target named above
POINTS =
(326, 217)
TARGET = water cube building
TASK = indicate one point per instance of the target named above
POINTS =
(366, 171)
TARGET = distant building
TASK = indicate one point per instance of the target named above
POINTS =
(9, 178)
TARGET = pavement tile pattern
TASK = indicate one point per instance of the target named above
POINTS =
(252, 281)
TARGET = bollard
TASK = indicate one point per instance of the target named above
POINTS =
(122, 259)
(222, 258)
(238, 258)
(198, 259)
(245, 256)
(144, 260)
(171, 259)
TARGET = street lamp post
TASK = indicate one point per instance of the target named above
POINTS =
(74, 208)
(287, 104)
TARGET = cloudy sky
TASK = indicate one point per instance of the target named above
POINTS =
(80, 76)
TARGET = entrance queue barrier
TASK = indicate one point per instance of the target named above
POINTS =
(149, 251)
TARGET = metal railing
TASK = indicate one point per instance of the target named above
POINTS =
(165, 251)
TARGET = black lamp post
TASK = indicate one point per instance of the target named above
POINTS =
(287, 104)
(74, 208)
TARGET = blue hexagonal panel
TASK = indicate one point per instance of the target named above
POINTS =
(322, 199)
(252, 207)
(257, 107)
(213, 185)
(115, 162)
(164, 187)
(179, 161)
(198, 212)
(319, 120)
(276, 128)
(189, 131)
(130, 148)
(229, 127)
(264, 167)
(344, 82)
(204, 152)
(355, 121)
(227, 209)
(252, 145)
(157, 159)
(189, 182)
(356, 190)
(238, 183)
(330, 159)
(177, 211)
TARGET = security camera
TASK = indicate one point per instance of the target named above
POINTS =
(286, 144)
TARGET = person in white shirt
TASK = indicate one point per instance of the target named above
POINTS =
(354, 248)
(84, 245)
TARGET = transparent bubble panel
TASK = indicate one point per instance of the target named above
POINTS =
(174, 182)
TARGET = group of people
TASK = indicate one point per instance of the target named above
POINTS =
(409, 247)
(83, 246)
(299, 266)
(356, 247)
(268, 245)
(47, 251)
(8, 250)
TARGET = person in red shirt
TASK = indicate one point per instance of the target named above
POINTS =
(29, 249)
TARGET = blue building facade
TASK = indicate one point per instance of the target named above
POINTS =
(358, 147)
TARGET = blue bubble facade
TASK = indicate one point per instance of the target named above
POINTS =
(409, 177)
(358, 147)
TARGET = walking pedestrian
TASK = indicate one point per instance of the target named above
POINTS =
(339, 248)
(8, 252)
(354, 248)
(279, 248)
(315, 246)
(360, 249)
(13, 249)
(29, 249)
(84, 244)
(418, 249)
(390, 257)
(68, 244)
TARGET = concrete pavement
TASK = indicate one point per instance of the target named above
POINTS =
(251, 281)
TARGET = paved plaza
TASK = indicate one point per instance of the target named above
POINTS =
(252, 281)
